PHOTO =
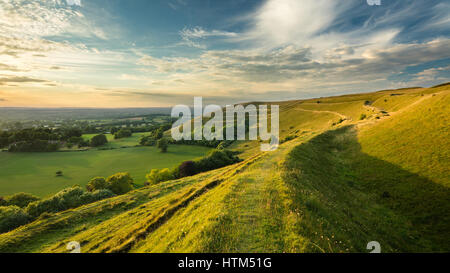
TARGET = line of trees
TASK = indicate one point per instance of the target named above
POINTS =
(22, 208)
(37, 139)
(214, 160)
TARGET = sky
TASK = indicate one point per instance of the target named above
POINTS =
(158, 53)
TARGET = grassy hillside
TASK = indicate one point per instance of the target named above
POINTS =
(340, 182)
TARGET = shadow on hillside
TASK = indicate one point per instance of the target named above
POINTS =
(356, 193)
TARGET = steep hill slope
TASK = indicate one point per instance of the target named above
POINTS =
(335, 184)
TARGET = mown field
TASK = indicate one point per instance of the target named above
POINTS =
(36, 172)
(338, 182)
(118, 143)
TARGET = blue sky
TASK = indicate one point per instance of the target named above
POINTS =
(139, 53)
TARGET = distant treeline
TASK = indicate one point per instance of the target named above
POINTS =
(51, 114)
(37, 139)
(216, 159)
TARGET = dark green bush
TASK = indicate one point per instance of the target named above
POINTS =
(33, 146)
(75, 140)
(162, 144)
(90, 197)
(187, 168)
(97, 183)
(214, 160)
(147, 141)
(157, 176)
(98, 140)
(120, 183)
(20, 200)
(12, 217)
(66, 199)
(122, 133)
(3, 201)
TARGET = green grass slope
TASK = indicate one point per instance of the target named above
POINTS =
(338, 184)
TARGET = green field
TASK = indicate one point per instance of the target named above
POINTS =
(35, 172)
(118, 143)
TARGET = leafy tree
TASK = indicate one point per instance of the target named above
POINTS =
(123, 133)
(12, 217)
(99, 140)
(71, 132)
(90, 197)
(114, 130)
(162, 144)
(147, 141)
(21, 200)
(75, 140)
(157, 176)
(187, 168)
(120, 183)
(97, 183)
(3, 201)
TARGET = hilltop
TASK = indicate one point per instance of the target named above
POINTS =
(351, 169)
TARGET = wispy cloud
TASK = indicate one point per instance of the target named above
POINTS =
(177, 4)
(17, 79)
(193, 36)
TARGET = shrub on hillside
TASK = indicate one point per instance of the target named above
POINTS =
(99, 140)
(214, 160)
(90, 197)
(120, 183)
(66, 199)
(187, 168)
(158, 176)
(122, 133)
(288, 138)
(362, 117)
(20, 200)
(97, 183)
(12, 217)
(3, 201)
(224, 144)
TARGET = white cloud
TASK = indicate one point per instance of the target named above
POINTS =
(280, 22)
(22, 18)
(290, 69)
(27, 47)
(191, 36)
